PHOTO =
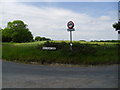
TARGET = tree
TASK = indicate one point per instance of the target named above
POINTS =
(116, 26)
(38, 38)
(7, 35)
(16, 31)
(0, 34)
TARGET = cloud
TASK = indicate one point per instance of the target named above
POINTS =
(51, 22)
(59, 0)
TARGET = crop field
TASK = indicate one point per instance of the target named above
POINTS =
(83, 52)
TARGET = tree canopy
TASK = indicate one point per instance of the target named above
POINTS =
(116, 26)
(38, 38)
(16, 31)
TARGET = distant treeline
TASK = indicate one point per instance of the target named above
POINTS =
(105, 40)
(102, 40)
(38, 38)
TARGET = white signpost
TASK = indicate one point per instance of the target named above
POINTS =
(70, 26)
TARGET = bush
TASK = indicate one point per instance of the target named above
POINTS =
(83, 49)
(38, 38)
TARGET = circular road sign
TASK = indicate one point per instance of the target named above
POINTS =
(70, 24)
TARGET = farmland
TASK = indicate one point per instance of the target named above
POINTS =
(83, 53)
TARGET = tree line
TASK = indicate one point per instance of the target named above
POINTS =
(105, 40)
(18, 31)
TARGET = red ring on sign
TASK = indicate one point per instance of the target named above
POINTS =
(70, 24)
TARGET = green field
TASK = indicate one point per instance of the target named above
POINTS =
(83, 53)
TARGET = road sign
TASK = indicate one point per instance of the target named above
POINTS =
(70, 25)
(71, 29)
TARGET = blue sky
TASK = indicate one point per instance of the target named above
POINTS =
(93, 20)
(92, 8)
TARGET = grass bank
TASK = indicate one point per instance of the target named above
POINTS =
(82, 53)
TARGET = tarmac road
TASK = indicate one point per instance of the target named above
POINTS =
(37, 76)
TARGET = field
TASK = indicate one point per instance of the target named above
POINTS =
(83, 52)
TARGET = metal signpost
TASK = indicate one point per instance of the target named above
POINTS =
(70, 26)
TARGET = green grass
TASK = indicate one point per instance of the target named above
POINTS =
(83, 52)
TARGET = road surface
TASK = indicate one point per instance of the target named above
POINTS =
(39, 76)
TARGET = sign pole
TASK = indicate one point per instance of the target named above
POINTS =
(70, 26)
(70, 40)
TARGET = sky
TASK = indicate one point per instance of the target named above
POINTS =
(93, 20)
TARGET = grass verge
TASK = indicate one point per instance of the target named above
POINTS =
(83, 53)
